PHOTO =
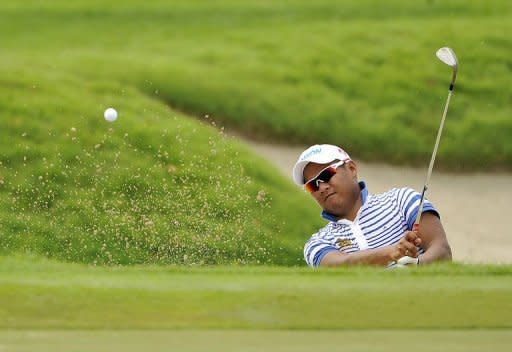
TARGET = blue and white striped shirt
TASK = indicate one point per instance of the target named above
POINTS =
(381, 221)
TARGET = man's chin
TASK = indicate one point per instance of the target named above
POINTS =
(332, 206)
(333, 212)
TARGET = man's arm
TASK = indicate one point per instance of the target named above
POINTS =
(433, 239)
(430, 236)
(407, 246)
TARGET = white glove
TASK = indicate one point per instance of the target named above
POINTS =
(408, 261)
(403, 262)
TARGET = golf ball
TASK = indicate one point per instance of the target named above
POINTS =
(110, 114)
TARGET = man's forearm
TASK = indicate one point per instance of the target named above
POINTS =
(438, 251)
(378, 256)
(434, 240)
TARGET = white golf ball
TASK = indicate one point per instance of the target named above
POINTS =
(110, 114)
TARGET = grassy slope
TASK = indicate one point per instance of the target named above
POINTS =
(152, 187)
(43, 294)
(352, 73)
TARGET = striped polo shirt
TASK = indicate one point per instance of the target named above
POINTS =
(381, 221)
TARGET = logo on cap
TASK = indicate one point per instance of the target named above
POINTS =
(310, 153)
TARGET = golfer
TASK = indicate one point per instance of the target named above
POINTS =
(365, 228)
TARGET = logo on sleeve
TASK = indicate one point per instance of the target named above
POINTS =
(343, 242)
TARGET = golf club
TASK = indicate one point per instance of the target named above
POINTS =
(447, 56)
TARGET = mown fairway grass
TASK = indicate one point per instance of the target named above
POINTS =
(49, 306)
(37, 294)
(250, 340)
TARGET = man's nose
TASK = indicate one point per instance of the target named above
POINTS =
(322, 185)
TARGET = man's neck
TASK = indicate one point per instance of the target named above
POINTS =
(355, 209)
(363, 194)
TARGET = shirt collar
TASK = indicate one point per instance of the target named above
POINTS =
(364, 196)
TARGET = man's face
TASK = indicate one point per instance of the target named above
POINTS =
(340, 196)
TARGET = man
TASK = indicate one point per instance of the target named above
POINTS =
(364, 228)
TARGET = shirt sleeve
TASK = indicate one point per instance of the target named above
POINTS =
(409, 201)
(315, 249)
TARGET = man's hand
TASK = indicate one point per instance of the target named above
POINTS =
(407, 246)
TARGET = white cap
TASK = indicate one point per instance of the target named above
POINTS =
(319, 154)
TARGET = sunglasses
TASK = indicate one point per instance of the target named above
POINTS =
(325, 175)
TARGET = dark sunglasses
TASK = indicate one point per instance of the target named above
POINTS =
(325, 175)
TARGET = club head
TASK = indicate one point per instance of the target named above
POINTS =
(447, 56)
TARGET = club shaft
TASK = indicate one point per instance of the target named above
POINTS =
(433, 158)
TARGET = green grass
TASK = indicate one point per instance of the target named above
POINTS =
(46, 306)
(154, 187)
(359, 73)
(37, 294)
(234, 340)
